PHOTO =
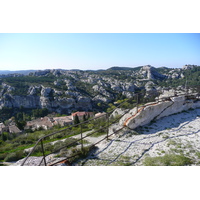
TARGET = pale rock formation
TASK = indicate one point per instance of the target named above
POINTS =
(185, 67)
(33, 90)
(46, 91)
(150, 73)
(155, 111)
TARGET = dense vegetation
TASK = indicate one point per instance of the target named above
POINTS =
(21, 114)
(12, 146)
(191, 79)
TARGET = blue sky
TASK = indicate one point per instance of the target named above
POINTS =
(97, 50)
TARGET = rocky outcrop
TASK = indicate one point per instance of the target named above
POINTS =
(41, 72)
(46, 91)
(33, 90)
(100, 98)
(102, 91)
(156, 110)
(11, 101)
(185, 67)
(72, 89)
(143, 115)
(51, 103)
(148, 72)
(151, 89)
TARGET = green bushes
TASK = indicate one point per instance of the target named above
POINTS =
(5, 136)
(67, 143)
(2, 156)
(70, 142)
(14, 156)
(48, 147)
(77, 153)
(58, 145)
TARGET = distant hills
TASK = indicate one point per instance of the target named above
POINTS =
(25, 72)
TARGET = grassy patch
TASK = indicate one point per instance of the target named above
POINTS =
(171, 142)
(167, 160)
(14, 156)
(198, 154)
(124, 158)
(97, 134)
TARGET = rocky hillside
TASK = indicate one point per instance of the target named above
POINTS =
(64, 91)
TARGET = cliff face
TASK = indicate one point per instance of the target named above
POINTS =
(11, 101)
(53, 104)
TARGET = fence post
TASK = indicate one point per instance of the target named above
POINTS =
(107, 118)
(81, 138)
(137, 102)
(43, 153)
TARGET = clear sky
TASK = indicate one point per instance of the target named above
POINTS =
(21, 51)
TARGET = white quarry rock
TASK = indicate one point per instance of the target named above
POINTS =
(147, 114)
(131, 113)
(155, 111)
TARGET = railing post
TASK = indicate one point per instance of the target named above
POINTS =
(81, 138)
(43, 153)
(137, 102)
(107, 118)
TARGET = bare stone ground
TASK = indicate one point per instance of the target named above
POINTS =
(177, 134)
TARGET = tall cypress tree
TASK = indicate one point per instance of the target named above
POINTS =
(84, 118)
(76, 120)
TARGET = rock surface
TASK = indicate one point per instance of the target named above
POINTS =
(157, 110)
(175, 134)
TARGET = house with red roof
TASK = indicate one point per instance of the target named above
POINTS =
(81, 114)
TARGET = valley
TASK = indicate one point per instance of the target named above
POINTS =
(39, 103)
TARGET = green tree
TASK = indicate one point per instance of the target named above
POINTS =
(20, 124)
(5, 136)
(84, 118)
(76, 120)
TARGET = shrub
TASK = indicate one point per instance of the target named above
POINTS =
(59, 135)
(57, 146)
(3, 155)
(1, 142)
(77, 153)
(5, 136)
(38, 148)
(14, 156)
(71, 141)
(48, 147)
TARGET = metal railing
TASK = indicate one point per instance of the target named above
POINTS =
(105, 128)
